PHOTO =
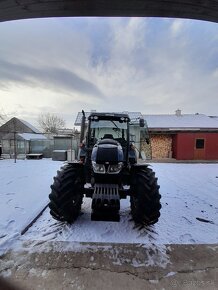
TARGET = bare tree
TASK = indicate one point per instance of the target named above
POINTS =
(51, 123)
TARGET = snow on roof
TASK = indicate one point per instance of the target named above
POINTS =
(30, 126)
(170, 121)
(184, 121)
(29, 136)
(134, 115)
(79, 118)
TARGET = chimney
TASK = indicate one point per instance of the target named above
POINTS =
(178, 113)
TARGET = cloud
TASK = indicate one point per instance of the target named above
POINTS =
(215, 74)
(177, 27)
(110, 64)
(58, 79)
(166, 73)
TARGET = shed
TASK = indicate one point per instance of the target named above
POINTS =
(22, 143)
(18, 126)
(183, 136)
(19, 133)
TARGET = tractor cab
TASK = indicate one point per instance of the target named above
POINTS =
(108, 126)
(108, 133)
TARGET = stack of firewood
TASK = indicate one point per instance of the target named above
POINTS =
(146, 149)
(161, 146)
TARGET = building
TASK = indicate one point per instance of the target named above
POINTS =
(16, 136)
(183, 136)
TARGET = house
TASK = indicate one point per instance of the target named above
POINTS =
(18, 126)
(179, 136)
(16, 136)
(183, 136)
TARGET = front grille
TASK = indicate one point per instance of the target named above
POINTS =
(106, 196)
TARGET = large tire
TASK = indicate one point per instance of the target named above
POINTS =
(145, 197)
(67, 194)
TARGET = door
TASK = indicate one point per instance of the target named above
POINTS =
(199, 150)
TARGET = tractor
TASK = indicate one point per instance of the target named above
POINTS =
(106, 171)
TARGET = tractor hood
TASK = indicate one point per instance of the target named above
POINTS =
(107, 151)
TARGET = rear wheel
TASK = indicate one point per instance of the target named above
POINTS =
(66, 195)
(145, 197)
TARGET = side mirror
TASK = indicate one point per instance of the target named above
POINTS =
(142, 123)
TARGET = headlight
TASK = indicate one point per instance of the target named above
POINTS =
(98, 168)
(112, 169)
(115, 168)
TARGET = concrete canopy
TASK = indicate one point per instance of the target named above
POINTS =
(192, 9)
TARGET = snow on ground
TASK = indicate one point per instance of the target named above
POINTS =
(189, 199)
(189, 191)
(24, 189)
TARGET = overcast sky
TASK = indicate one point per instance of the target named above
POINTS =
(151, 65)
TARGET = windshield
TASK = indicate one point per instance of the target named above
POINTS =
(108, 129)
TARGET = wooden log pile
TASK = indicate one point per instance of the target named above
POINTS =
(146, 148)
(161, 146)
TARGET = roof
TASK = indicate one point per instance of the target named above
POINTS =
(24, 136)
(132, 115)
(110, 116)
(30, 126)
(182, 122)
(29, 136)
(169, 121)
(18, 125)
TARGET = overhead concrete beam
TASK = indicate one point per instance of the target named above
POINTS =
(192, 9)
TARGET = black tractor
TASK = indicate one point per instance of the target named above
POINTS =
(106, 171)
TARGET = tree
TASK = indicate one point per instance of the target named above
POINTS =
(51, 123)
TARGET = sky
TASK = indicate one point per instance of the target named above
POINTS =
(148, 65)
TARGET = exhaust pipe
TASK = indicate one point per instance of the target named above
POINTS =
(81, 153)
(82, 130)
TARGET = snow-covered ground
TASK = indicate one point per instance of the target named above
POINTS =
(189, 211)
(24, 189)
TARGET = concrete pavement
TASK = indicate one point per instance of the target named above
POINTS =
(64, 265)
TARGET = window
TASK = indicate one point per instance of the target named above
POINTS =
(199, 144)
(109, 127)
(132, 138)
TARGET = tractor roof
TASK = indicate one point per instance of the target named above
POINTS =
(133, 116)
(109, 116)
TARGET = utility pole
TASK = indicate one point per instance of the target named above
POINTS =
(15, 141)
(15, 148)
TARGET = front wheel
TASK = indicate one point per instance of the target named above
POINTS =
(145, 197)
(66, 194)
